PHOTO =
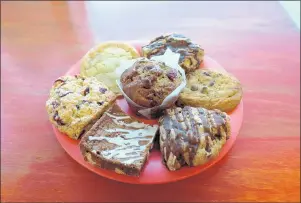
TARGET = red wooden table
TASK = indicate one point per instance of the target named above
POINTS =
(256, 41)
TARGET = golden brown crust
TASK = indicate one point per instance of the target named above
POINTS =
(103, 59)
(211, 90)
(76, 102)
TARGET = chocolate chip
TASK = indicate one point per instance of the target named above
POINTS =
(194, 88)
(82, 132)
(102, 90)
(148, 67)
(194, 140)
(97, 152)
(64, 94)
(172, 74)
(179, 104)
(79, 77)
(58, 119)
(77, 106)
(147, 83)
(204, 89)
(100, 103)
(179, 135)
(207, 148)
(55, 104)
(86, 91)
(212, 82)
(205, 73)
(153, 103)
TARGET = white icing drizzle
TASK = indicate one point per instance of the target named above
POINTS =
(117, 121)
(118, 117)
(128, 148)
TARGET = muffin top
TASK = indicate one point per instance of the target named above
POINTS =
(149, 82)
(191, 54)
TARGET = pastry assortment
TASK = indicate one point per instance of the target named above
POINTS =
(190, 103)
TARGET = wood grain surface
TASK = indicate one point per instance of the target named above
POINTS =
(255, 41)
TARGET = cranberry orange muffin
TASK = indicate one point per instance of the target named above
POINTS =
(191, 54)
(149, 82)
(76, 102)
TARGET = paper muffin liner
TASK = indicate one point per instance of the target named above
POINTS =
(170, 59)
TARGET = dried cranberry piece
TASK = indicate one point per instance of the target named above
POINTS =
(58, 119)
(172, 74)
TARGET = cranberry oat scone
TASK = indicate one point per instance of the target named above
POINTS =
(192, 136)
(76, 102)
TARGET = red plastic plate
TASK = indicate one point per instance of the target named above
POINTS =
(154, 171)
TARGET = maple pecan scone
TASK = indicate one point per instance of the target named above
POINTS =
(103, 60)
(211, 90)
(76, 102)
(192, 136)
(191, 54)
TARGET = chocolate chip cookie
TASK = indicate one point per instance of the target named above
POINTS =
(192, 136)
(76, 102)
(191, 54)
(211, 90)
